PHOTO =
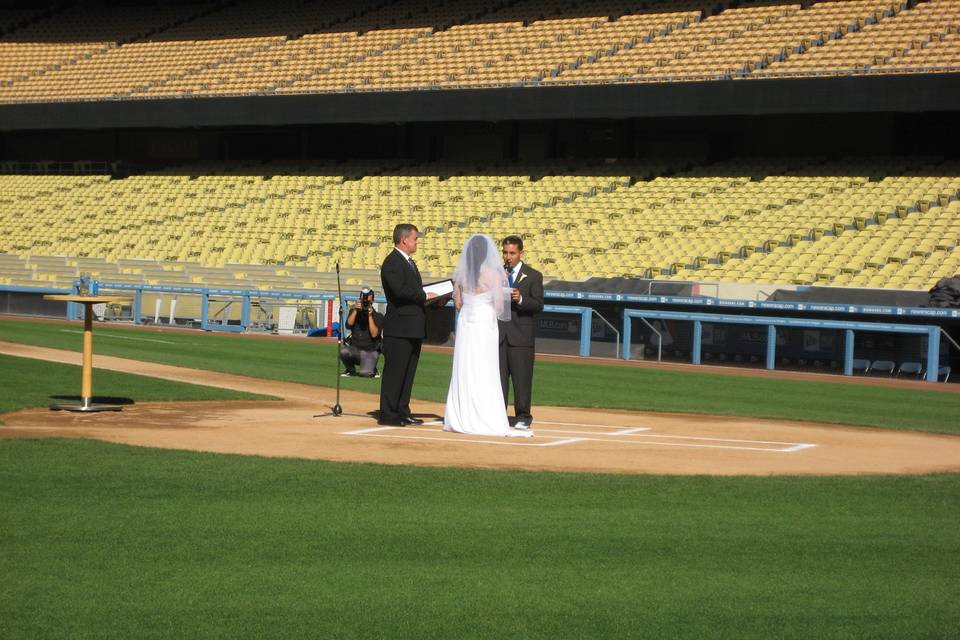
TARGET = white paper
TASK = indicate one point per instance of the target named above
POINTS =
(442, 288)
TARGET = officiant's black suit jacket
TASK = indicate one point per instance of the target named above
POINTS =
(403, 289)
(403, 332)
(522, 328)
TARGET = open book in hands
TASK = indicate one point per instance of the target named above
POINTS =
(442, 289)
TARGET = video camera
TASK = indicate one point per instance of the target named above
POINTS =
(366, 297)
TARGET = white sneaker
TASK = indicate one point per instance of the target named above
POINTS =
(521, 424)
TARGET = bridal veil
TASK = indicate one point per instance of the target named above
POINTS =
(481, 270)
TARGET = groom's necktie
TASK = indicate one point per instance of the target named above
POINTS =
(510, 277)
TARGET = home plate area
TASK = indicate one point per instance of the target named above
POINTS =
(561, 434)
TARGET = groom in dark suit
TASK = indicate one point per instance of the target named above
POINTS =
(403, 327)
(517, 336)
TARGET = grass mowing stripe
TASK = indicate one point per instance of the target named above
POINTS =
(109, 541)
(556, 383)
(36, 383)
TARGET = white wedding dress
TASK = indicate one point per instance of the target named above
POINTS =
(475, 400)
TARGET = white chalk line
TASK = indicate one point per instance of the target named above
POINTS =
(439, 423)
(701, 442)
(697, 446)
(592, 424)
(627, 432)
(772, 442)
(376, 433)
(362, 432)
(635, 432)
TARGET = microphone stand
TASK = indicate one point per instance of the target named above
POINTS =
(336, 410)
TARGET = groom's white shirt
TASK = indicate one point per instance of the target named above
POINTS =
(514, 273)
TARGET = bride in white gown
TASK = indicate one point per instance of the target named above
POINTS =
(475, 399)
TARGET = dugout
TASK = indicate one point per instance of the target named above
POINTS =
(807, 336)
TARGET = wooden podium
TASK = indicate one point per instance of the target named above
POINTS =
(86, 388)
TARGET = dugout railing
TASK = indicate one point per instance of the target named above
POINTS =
(931, 332)
(767, 316)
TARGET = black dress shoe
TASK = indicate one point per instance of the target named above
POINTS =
(411, 420)
(393, 423)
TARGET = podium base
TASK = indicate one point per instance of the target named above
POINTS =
(86, 406)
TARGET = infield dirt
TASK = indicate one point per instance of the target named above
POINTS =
(567, 439)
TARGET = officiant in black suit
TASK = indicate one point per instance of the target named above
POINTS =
(403, 327)
(517, 337)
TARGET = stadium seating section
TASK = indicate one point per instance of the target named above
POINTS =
(297, 46)
(859, 222)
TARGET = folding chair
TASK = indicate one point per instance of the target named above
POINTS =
(883, 366)
(911, 368)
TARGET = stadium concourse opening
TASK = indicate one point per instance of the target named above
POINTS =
(768, 158)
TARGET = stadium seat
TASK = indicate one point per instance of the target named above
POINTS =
(681, 219)
(186, 50)
(862, 365)
(943, 372)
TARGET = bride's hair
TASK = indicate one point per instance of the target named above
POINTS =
(476, 253)
(480, 270)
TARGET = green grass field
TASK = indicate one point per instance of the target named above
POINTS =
(35, 383)
(109, 541)
(106, 541)
(556, 383)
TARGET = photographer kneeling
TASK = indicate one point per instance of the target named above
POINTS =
(362, 347)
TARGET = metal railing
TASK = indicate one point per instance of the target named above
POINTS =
(659, 338)
(952, 341)
(616, 348)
